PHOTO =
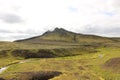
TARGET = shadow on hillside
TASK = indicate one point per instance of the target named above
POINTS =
(42, 75)
(2, 79)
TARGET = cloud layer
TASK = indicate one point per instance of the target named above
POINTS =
(26, 18)
(11, 18)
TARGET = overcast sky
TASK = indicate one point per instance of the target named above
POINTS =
(25, 18)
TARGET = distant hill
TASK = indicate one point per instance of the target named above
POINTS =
(116, 39)
(62, 35)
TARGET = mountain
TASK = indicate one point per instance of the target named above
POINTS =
(62, 35)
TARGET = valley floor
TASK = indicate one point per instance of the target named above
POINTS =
(80, 67)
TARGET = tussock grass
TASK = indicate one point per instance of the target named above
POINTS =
(76, 62)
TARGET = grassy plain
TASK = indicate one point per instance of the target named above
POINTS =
(87, 63)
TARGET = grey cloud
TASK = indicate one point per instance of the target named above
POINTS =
(29, 32)
(112, 31)
(108, 13)
(11, 18)
(116, 3)
(5, 31)
(13, 36)
(18, 34)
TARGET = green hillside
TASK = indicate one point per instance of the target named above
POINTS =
(62, 35)
(61, 55)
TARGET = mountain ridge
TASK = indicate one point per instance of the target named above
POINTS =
(62, 35)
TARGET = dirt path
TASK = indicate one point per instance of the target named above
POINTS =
(3, 69)
(6, 67)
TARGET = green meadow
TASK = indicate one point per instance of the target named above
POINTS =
(76, 62)
(61, 55)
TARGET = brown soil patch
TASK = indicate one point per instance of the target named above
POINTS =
(113, 63)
